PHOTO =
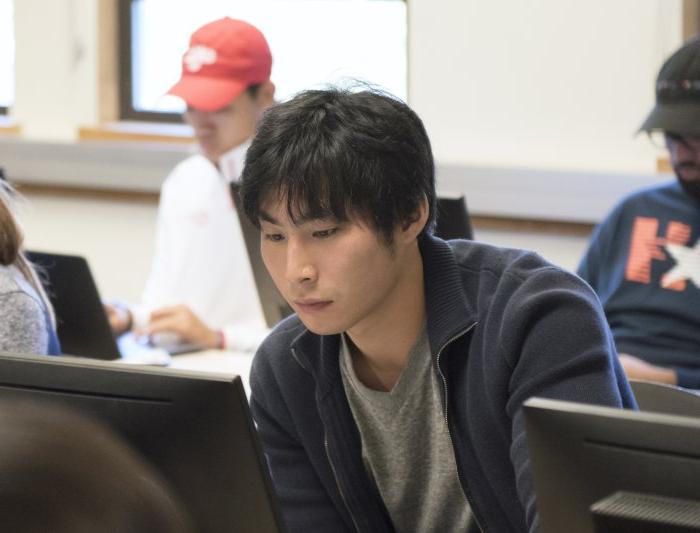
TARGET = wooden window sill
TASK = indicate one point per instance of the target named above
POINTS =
(663, 165)
(138, 132)
(9, 127)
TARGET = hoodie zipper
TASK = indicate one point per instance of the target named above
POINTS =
(447, 423)
(296, 358)
(328, 456)
(337, 481)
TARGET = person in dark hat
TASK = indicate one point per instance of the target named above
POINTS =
(644, 258)
(201, 288)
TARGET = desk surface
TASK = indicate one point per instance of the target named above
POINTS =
(217, 361)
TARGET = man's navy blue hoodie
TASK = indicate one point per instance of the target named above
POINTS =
(503, 325)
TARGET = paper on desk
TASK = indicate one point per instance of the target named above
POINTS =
(136, 352)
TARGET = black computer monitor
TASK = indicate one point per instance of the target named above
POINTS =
(585, 455)
(195, 428)
(452, 218)
(274, 306)
(81, 322)
(82, 325)
(664, 398)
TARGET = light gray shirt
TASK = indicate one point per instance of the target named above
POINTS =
(23, 321)
(406, 446)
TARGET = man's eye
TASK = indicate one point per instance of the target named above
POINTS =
(325, 233)
(274, 237)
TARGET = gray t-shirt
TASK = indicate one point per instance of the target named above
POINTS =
(406, 447)
(23, 327)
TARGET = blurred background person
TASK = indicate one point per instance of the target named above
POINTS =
(201, 287)
(65, 473)
(27, 322)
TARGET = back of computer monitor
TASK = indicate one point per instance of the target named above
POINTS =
(196, 429)
(274, 306)
(583, 454)
(81, 321)
(663, 398)
(453, 218)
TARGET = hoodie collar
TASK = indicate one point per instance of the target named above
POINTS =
(447, 309)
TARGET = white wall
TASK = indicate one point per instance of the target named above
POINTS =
(116, 237)
(541, 83)
(56, 67)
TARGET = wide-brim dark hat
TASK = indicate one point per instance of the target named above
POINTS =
(677, 108)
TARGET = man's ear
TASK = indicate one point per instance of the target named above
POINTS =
(266, 94)
(414, 225)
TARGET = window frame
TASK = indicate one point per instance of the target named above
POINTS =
(5, 110)
(126, 110)
(690, 18)
(126, 105)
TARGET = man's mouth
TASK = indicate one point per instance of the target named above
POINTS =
(688, 171)
(309, 305)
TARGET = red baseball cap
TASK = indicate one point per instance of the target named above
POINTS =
(225, 57)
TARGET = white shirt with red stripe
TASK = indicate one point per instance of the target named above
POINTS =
(200, 257)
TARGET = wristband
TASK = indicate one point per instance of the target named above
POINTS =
(129, 320)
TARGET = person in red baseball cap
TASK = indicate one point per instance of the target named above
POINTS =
(201, 288)
(225, 83)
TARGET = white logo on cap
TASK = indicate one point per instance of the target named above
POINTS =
(198, 56)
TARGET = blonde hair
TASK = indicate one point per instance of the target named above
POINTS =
(11, 241)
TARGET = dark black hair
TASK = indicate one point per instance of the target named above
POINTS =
(338, 153)
(66, 473)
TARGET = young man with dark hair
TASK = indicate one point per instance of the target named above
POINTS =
(644, 258)
(391, 400)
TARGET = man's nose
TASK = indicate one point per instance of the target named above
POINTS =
(301, 266)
